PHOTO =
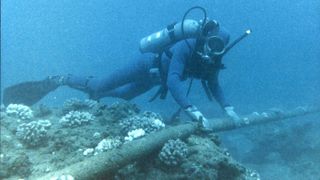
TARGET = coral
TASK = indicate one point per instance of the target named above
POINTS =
(134, 134)
(67, 146)
(63, 177)
(107, 144)
(119, 111)
(19, 111)
(97, 135)
(173, 152)
(33, 133)
(207, 160)
(76, 118)
(87, 105)
(104, 145)
(88, 152)
(75, 104)
(148, 121)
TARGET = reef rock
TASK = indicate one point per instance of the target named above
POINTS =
(17, 165)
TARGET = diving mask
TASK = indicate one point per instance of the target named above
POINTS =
(213, 47)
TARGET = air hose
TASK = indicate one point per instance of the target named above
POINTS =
(184, 18)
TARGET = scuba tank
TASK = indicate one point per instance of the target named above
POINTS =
(159, 41)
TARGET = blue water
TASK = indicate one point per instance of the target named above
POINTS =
(277, 66)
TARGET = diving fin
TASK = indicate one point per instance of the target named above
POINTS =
(28, 93)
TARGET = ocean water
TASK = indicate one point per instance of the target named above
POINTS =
(277, 66)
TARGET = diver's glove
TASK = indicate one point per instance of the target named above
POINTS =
(196, 115)
(233, 115)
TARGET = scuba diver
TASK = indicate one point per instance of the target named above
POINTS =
(186, 50)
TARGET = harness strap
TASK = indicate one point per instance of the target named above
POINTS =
(163, 89)
(206, 89)
(170, 29)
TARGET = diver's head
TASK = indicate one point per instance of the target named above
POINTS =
(214, 41)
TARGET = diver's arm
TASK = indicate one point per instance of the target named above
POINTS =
(216, 90)
(181, 53)
(218, 94)
(175, 75)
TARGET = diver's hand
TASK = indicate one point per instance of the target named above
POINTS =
(196, 115)
(229, 110)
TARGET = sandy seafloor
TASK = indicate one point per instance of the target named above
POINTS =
(288, 149)
(274, 151)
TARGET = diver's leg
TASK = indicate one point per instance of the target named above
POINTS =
(137, 71)
(130, 91)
